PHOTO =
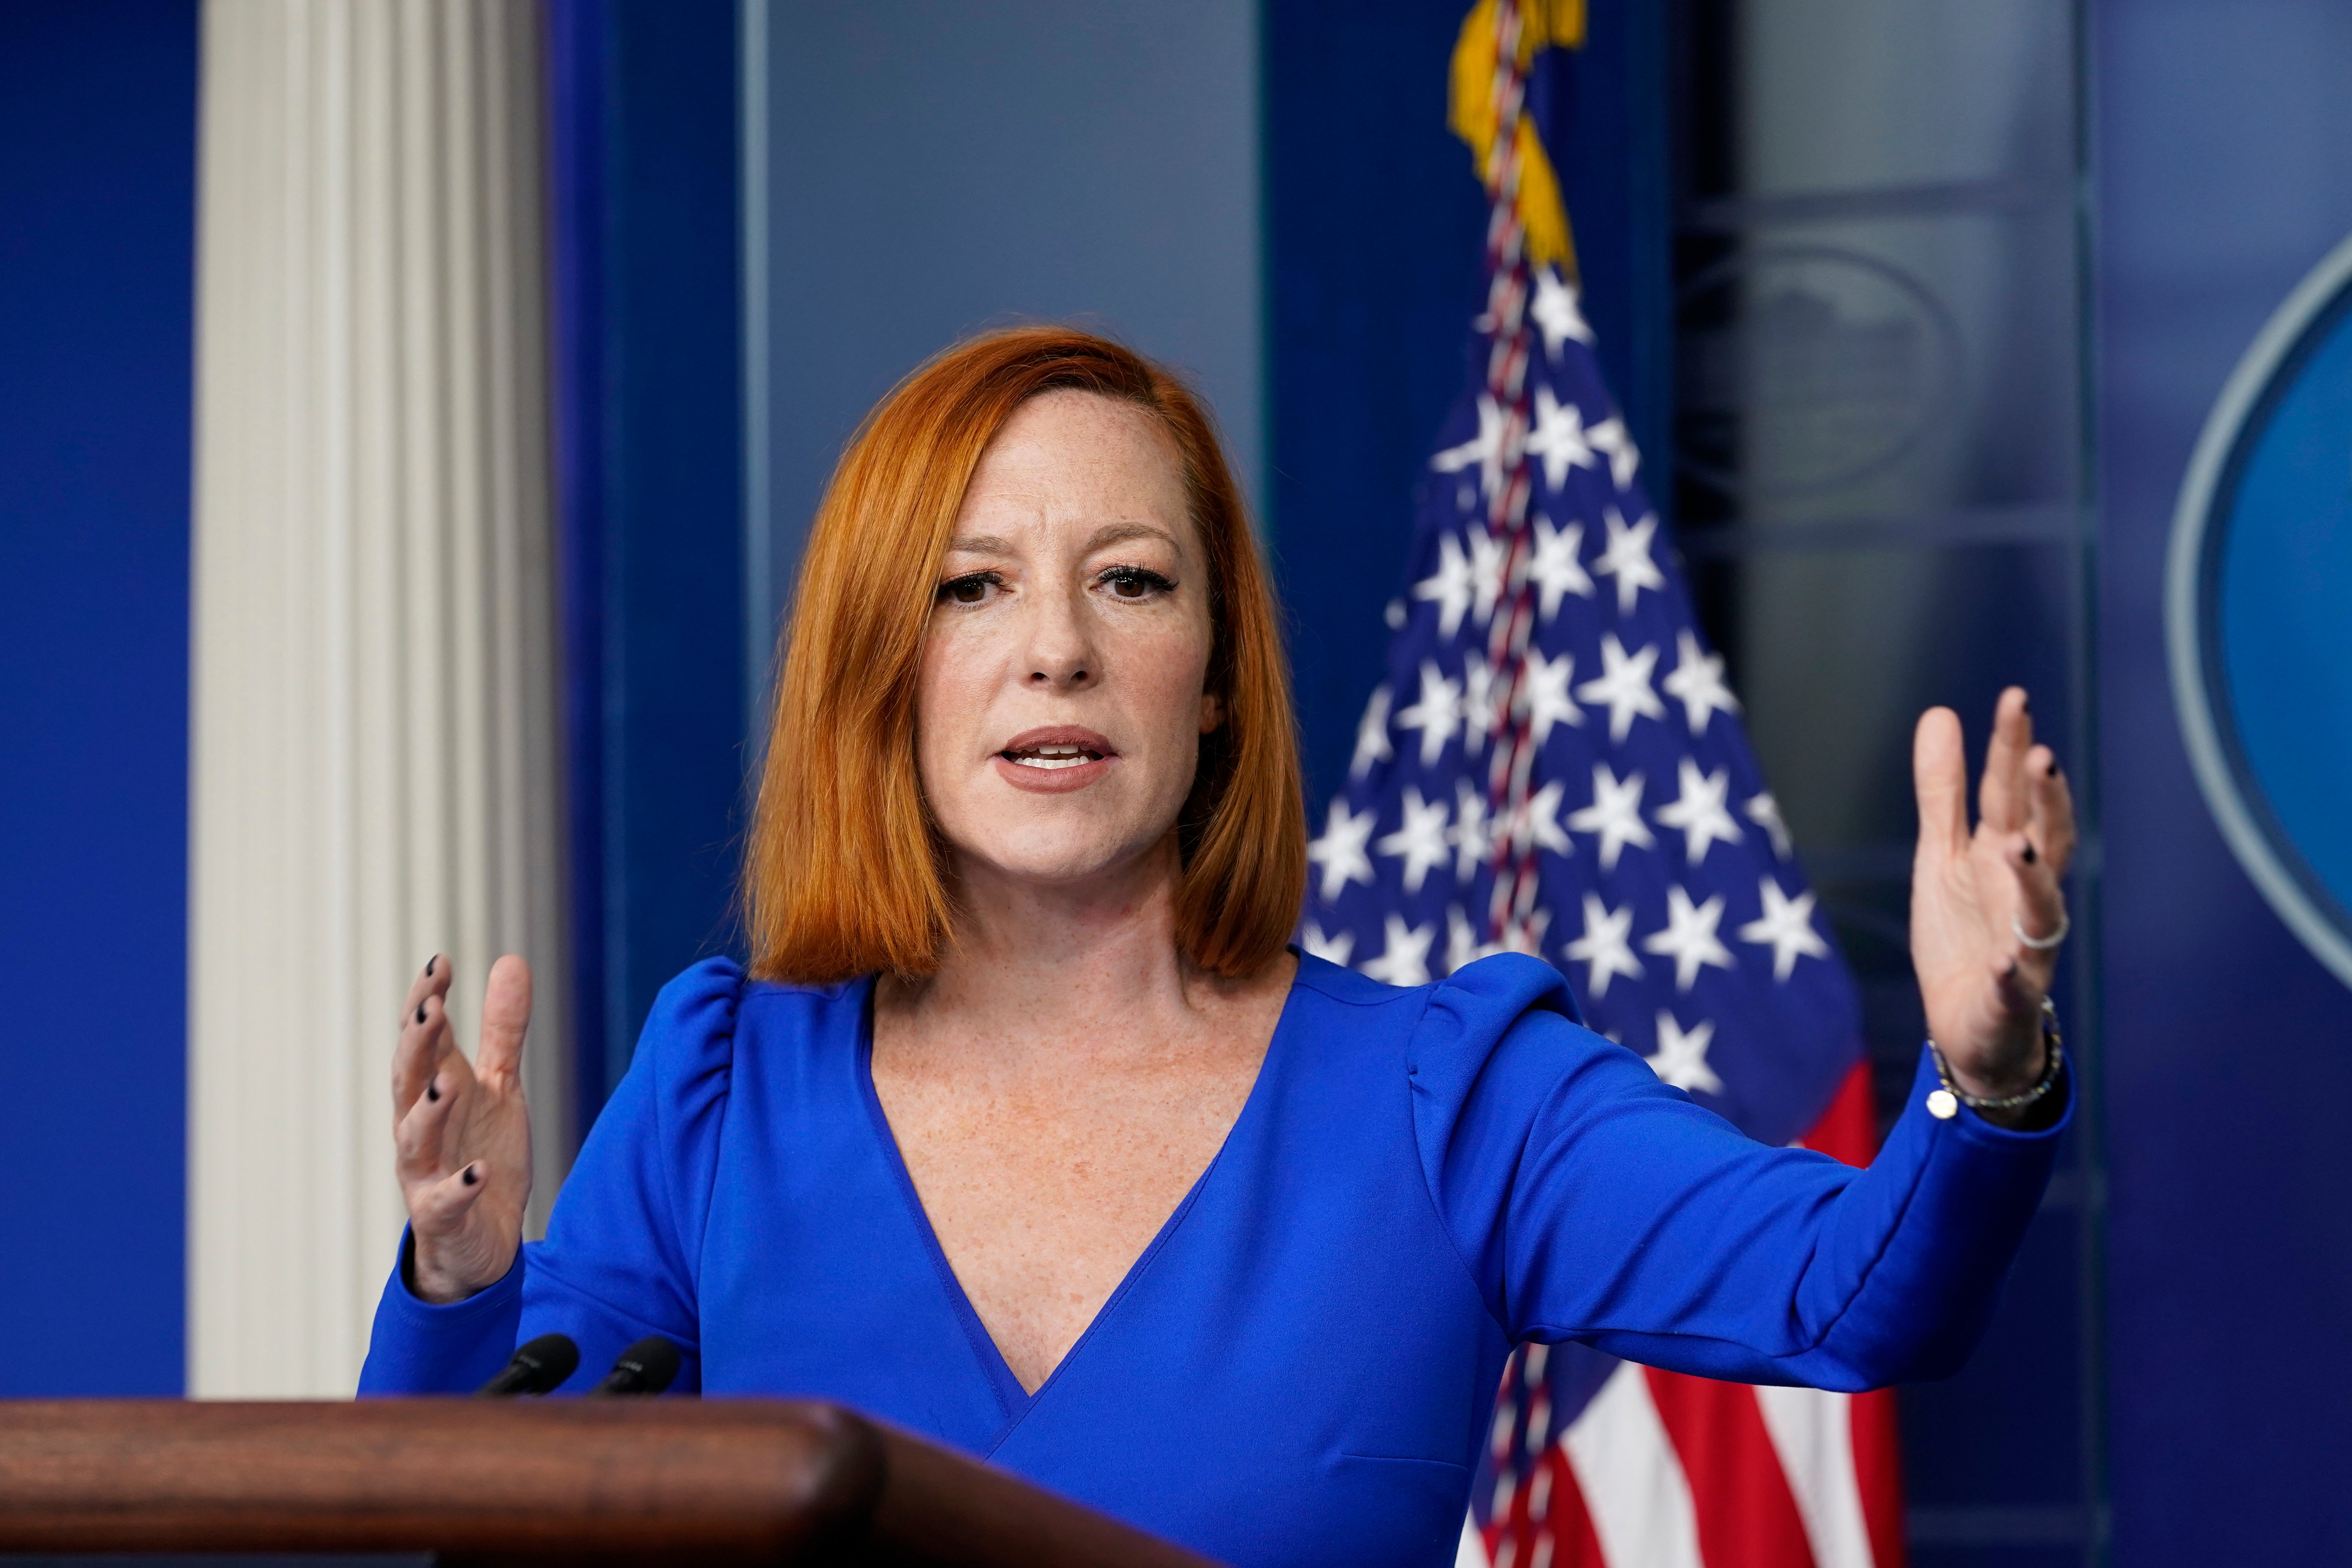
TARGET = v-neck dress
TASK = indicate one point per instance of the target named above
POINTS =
(1300, 1367)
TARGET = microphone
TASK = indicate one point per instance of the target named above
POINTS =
(537, 1368)
(646, 1367)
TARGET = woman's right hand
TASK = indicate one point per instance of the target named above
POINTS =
(461, 1132)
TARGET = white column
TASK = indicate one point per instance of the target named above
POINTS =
(376, 768)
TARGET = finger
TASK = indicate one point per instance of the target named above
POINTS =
(2021, 993)
(2040, 911)
(2000, 799)
(433, 979)
(506, 1016)
(1939, 775)
(425, 1037)
(2052, 824)
(422, 1135)
(438, 1207)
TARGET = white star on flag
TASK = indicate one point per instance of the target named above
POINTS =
(1544, 699)
(1482, 700)
(1554, 567)
(1333, 949)
(1484, 449)
(1420, 841)
(1624, 687)
(1340, 850)
(1450, 585)
(1699, 812)
(1786, 927)
(1405, 959)
(1556, 315)
(1490, 562)
(1616, 815)
(1526, 934)
(1437, 715)
(1536, 823)
(1611, 439)
(1765, 813)
(1682, 1057)
(1468, 833)
(1689, 938)
(1604, 945)
(1627, 558)
(1462, 943)
(1559, 438)
(1696, 682)
(1372, 735)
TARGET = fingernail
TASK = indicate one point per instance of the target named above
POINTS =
(420, 1012)
(433, 1091)
(429, 963)
(469, 1178)
(2030, 855)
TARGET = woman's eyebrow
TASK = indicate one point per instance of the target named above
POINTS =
(979, 544)
(1120, 532)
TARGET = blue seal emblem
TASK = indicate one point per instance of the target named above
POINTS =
(2258, 611)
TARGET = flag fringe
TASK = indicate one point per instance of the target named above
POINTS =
(1473, 114)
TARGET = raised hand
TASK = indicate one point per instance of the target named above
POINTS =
(1972, 893)
(461, 1132)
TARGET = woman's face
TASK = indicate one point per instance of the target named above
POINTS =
(1060, 714)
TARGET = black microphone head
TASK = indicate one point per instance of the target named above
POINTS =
(646, 1367)
(538, 1367)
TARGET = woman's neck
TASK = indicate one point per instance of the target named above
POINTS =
(1094, 965)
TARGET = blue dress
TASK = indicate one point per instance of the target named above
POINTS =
(1300, 1369)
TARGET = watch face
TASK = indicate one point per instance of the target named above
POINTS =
(2259, 611)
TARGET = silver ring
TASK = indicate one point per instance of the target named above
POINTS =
(2044, 944)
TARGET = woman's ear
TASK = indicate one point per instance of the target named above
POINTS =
(1213, 711)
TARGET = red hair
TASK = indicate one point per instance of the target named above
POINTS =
(845, 873)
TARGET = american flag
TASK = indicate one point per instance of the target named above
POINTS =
(1555, 765)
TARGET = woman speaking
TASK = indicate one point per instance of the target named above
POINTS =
(1025, 1130)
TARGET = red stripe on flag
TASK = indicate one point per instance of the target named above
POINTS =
(1547, 1524)
(1747, 1515)
(1878, 1474)
(1848, 1130)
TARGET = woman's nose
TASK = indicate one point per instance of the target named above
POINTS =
(1061, 655)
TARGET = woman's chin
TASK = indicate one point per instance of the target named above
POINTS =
(1059, 864)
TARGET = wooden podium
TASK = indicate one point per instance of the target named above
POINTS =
(529, 1481)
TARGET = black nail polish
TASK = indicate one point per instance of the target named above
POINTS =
(420, 1012)
(469, 1178)
(432, 1092)
(429, 963)
(2030, 855)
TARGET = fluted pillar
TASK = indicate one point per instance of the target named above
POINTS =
(376, 769)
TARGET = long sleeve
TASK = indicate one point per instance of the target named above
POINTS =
(622, 1258)
(1591, 1202)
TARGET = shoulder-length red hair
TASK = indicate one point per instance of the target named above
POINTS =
(844, 875)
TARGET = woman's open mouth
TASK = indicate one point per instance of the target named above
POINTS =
(1053, 760)
(1051, 756)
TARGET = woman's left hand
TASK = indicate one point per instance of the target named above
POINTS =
(1972, 893)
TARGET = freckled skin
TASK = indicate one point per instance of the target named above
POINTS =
(1059, 1084)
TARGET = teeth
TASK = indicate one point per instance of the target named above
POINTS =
(1053, 757)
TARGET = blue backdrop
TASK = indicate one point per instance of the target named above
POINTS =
(2223, 178)
(98, 107)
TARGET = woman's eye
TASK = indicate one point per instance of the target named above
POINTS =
(1136, 582)
(969, 590)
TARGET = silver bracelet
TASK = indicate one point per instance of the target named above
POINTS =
(2054, 1060)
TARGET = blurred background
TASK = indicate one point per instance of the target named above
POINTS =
(410, 414)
